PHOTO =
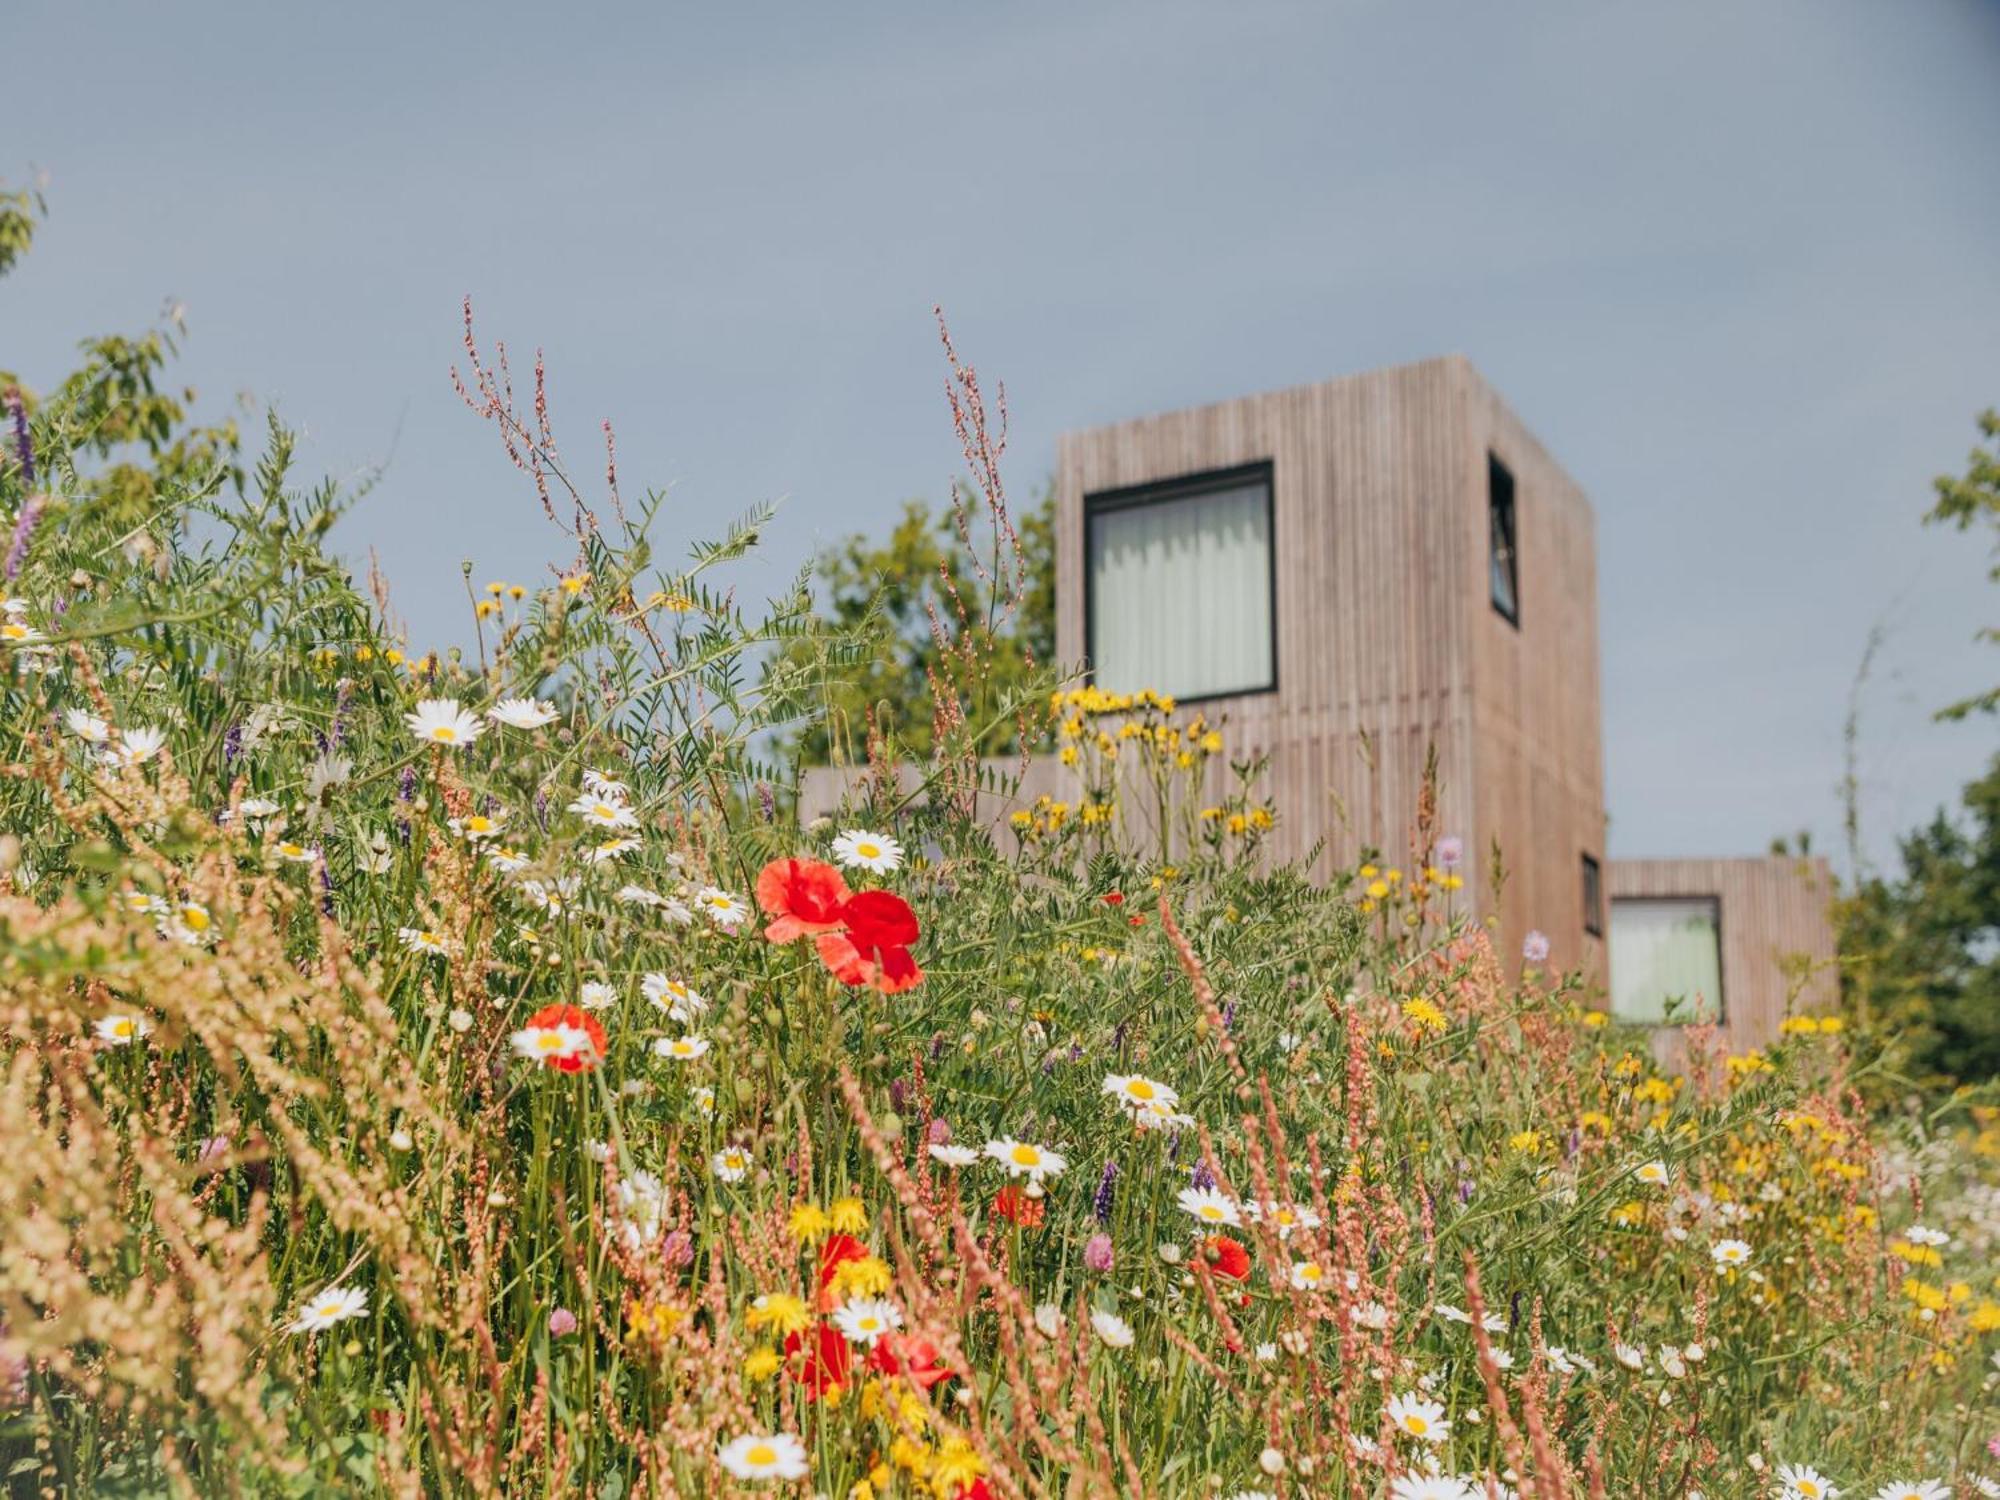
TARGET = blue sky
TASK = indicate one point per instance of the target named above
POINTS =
(1739, 266)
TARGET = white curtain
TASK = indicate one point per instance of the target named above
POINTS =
(1664, 950)
(1180, 594)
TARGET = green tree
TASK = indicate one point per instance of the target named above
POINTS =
(1921, 951)
(929, 586)
(1969, 500)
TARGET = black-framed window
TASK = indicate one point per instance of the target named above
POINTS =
(1503, 546)
(1180, 585)
(1593, 896)
(1666, 960)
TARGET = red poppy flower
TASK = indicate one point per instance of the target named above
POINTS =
(802, 895)
(551, 1016)
(875, 948)
(836, 1252)
(1114, 898)
(1013, 1203)
(976, 1490)
(914, 1358)
(1226, 1257)
(825, 1365)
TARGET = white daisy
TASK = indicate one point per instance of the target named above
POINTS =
(334, 1305)
(758, 1456)
(16, 633)
(1654, 1174)
(87, 726)
(1135, 1092)
(256, 809)
(122, 1031)
(681, 1048)
(551, 896)
(1412, 1414)
(604, 784)
(1114, 1330)
(611, 849)
(1936, 1239)
(604, 812)
(1284, 1217)
(868, 851)
(731, 1164)
(723, 909)
(1803, 1482)
(594, 994)
(298, 854)
(477, 828)
(954, 1156)
(1729, 1254)
(1024, 1160)
(423, 940)
(187, 922)
(522, 713)
(1915, 1489)
(507, 860)
(864, 1320)
(1209, 1206)
(672, 996)
(637, 895)
(545, 1042)
(134, 747)
(440, 721)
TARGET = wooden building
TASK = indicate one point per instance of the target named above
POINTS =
(1356, 576)
(1740, 942)
(1353, 575)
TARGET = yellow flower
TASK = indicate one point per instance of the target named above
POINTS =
(1595, 1018)
(762, 1363)
(849, 1216)
(1594, 1119)
(575, 584)
(651, 1319)
(1984, 1318)
(1798, 1026)
(781, 1311)
(1425, 1013)
(1831, 1025)
(957, 1464)
(868, 1276)
(1528, 1141)
(1916, 1255)
(1377, 889)
(809, 1224)
(1629, 1213)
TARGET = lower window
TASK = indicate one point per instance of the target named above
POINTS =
(1666, 960)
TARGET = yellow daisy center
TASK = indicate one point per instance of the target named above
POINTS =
(1415, 1425)
(195, 918)
(1210, 1212)
(121, 1028)
(1138, 1088)
(1025, 1156)
(868, 851)
(445, 733)
(549, 1041)
(761, 1456)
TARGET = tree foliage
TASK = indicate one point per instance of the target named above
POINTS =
(916, 591)
(1965, 501)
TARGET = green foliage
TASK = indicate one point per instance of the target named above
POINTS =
(1921, 951)
(912, 595)
(1969, 500)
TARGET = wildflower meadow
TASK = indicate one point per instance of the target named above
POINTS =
(464, 1074)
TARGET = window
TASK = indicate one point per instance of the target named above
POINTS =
(1180, 586)
(1593, 897)
(1666, 960)
(1500, 529)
